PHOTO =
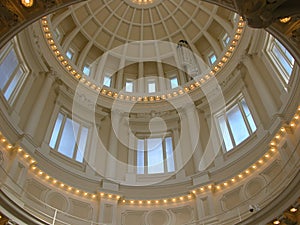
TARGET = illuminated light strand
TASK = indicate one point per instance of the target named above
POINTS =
(211, 187)
(217, 66)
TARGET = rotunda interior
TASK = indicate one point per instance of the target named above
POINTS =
(150, 112)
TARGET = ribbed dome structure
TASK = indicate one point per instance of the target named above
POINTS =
(149, 112)
(90, 29)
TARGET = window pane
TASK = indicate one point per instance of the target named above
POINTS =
(68, 138)
(237, 125)
(155, 156)
(248, 115)
(226, 39)
(170, 156)
(212, 58)
(129, 86)
(69, 54)
(286, 52)
(86, 70)
(107, 81)
(282, 60)
(82, 144)
(174, 82)
(225, 133)
(55, 131)
(7, 67)
(151, 87)
(140, 157)
(13, 84)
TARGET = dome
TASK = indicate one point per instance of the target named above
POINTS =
(149, 112)
(133, 40)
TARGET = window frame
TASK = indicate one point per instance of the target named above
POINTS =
(224, 38)
(210, 56)
(129, 81)
(171, 78)
(88, 67)
(72, 52)
(21, 66)
(58, 138)
(224, 112)
(145, 167)
(281, 73)
(149, 82)
(109, 76)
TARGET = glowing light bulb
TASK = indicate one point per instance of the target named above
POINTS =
(27, 3)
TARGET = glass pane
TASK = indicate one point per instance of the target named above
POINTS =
(82, 144)
(151, 87)
(69, 54)
(55, 131)
(174, 82)
(226, 39)
(155, 156)
(140, 157)
(170, 156)
(282, 60)
(286, 52)
(7, 67)
(86, 70)
(248, 116)
(107, 81)
(68, 138)
(225, 133)
(129, 86)
(13, 84)
(237, 125)
(212, 58)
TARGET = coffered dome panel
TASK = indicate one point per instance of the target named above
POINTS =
(96, 26)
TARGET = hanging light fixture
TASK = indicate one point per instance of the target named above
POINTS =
(187, 58)
(27, 3)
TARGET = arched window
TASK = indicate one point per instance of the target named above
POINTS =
(155, 155)
(12, 72)
(69, 137)
(235, 123)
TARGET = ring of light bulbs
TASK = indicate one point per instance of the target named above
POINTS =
(216, 67)
(104, 91)
(213, 187)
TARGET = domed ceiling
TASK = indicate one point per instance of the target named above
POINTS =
(93, 27)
